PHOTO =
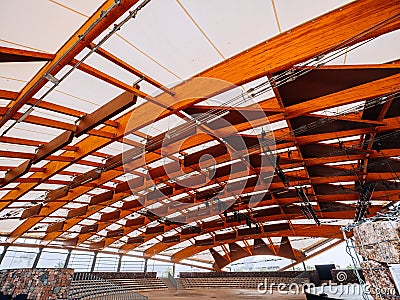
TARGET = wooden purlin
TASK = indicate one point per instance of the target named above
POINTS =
(348, 12)
(393, 123)
(10, 95)
(119, 62)
(70, 49)
(111, 80)
(18, 55)
(328, 179)
(159, 247)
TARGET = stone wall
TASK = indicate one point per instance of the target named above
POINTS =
(379, 244)
(379, 241)
(38, 284)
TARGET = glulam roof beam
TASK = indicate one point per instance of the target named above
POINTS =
(262, 203)
(271, 216)
(330, 231)
(111, 80)
(272, 56)
(307, 257)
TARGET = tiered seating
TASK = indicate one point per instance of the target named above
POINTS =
(288, 274)
(140, 284)
(245, 280)
(238, 282)
(131, 281)
(91, 287)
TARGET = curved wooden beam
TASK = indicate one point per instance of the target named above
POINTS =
(298, 230)
(277, 54)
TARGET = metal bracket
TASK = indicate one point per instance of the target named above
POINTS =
(51, 78)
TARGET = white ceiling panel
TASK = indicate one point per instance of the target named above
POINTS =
(234, 26)
(293, 12)
(130, 54)
(164, 32)
(38, 24)
(380, 50)
(87, 7)
(22, 71)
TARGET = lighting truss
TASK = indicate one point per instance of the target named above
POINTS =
(364, 200)
(306, 207)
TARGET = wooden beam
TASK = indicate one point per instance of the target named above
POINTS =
(311, 256)
(119, 62)
(300, 230)
(113, 81)
(10, 95)
(107, 111)
(69, 50)
(274, 55)
(159, 247)
(18, 55)
(362, 92)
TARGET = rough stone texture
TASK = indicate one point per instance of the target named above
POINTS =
(38, 284)
(379, 241)
(379, 244)
(377, 276)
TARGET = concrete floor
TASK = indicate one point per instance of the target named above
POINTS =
(200, 294)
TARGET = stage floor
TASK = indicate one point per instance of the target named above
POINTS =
(225, 294)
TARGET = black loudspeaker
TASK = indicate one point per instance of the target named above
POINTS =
(324, 271)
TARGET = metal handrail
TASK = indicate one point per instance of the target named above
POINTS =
(173, 280)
